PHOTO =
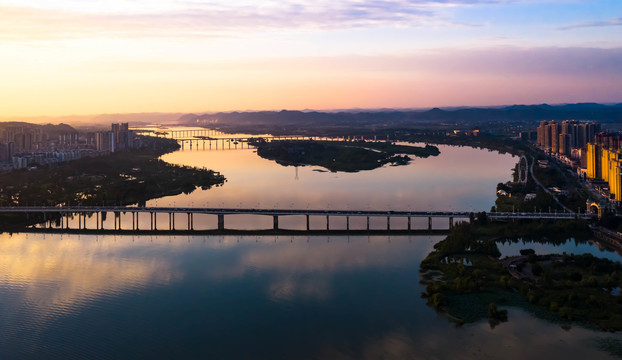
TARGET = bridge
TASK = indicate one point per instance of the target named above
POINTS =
(213, 139)
(48, 216)
(209, 134)
(227, 142)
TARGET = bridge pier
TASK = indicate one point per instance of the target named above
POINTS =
(151, 218)
(275, 222)
(327, 222)
(308, 227)
(368, 223)
(221, 221)
(409, 223)
(429, 223)
(451, 222)
(137, 222)
(190, 221)
(388, 223)
(348, 223)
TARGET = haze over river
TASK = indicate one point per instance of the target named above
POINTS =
(270, 297)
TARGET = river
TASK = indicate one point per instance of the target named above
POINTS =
(269, 297)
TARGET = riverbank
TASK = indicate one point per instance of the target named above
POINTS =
(122, 178)
(463, 276)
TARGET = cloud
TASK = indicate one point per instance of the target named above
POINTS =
(129, 19)
(573, 61)
(601, 23)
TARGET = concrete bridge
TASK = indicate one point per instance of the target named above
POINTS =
(208, 134)
(213, 139)
(230, 143)
(62, 215)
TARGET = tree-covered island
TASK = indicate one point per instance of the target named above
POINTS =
(341, 156)
(466, 279)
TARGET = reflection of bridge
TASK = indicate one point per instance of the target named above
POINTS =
(61, 216)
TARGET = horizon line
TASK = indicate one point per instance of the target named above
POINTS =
(354, 109)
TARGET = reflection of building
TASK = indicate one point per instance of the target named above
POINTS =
(604, 162)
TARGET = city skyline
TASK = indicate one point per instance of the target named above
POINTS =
(89, 57)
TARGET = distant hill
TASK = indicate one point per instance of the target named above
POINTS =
(136, 119)
(48, 128)
(459, 116)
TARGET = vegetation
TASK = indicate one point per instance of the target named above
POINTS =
(610, 221)
(122, 178)
(341, 156)
(501, 144)
(565, 287)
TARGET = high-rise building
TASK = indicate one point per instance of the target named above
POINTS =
(555, 132)
(552, 135)
(604, 161)
(104, 141)
(565, 144)
(119, 138)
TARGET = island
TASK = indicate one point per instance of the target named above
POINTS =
(346, 156)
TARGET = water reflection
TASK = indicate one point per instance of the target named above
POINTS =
(458, 179)
(63, 273)
(53, 285)
(241, 297)
(570, 246)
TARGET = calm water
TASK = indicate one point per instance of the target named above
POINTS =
(242, 297)
(226, 297)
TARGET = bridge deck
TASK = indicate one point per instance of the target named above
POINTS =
(285, 212)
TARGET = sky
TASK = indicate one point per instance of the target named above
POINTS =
(77, 57)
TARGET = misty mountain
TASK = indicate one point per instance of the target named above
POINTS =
(136, 119)
(411, 118)
(48, 128)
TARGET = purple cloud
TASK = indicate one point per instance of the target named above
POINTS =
(216, 18)
(601, 23)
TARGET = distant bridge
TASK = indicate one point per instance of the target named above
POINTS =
(62, 215)
(213, 139)
(208, 134)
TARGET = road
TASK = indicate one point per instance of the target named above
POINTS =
(533, 176)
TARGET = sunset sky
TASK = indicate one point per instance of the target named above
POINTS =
(67, 57)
